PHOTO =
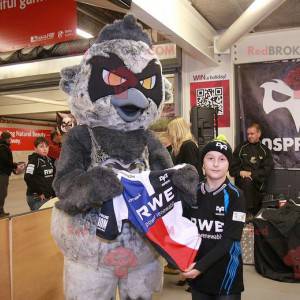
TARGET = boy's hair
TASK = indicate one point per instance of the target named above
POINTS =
(40, 140)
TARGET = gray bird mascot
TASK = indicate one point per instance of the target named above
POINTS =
(116, 92)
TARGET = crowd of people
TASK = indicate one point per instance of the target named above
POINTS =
(221, 209)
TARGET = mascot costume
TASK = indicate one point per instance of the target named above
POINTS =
(115, 94)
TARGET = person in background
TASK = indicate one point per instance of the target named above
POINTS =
(7, 166)
(165, 139)
(251, 166)
(39, 175)
(184, 146)
(217, 273)
(55, 145)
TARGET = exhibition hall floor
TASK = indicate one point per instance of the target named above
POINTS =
(256, 286)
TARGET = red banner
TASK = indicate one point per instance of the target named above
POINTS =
(30, 23)
(213, 94)
(22, 138)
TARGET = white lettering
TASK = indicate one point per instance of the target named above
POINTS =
(277, 144)
(219, 226)
(297, 143)
(282, 144)
(143, 211)
(287, 142)
(169, 194)
(204, 225)
(158, 202)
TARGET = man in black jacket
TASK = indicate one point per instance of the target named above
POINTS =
(251, 166)
(6, 167)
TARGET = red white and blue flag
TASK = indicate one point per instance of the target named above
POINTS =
(152, 204)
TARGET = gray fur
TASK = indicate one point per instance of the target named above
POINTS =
(127, 29)
(81, 189)
(68, 75)
(136, 55)
(186, 180)
(159, 156)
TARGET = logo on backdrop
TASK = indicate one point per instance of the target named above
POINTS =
(269, 94)
(292, 103)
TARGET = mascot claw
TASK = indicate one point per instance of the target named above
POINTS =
(186, 180)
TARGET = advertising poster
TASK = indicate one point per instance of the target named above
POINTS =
(22, 138)
(269, 94)
(27, 24)
(213, 94)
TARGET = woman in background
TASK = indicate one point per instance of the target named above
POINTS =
(184, 146)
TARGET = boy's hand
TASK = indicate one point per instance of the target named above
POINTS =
(190, 272)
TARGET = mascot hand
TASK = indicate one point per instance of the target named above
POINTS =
(89, 190)
(186, 180)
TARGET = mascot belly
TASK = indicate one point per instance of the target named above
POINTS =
(115, 94)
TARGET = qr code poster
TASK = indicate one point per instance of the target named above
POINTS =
(213, 94)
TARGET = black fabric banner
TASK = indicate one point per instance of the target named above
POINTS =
(269, 94)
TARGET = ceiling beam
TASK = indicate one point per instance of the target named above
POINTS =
(92, 14)
(38, 100)
(7, 110)
(251, 17)
(181, 23)
(104, 4)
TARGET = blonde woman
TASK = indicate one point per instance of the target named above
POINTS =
(184, 146)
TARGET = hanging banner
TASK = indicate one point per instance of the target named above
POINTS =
(22, 138)
(214, 94)
(30, 23)
(269, 94)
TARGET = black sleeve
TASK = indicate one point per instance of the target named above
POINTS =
(6, 157)
(235, 165)
(265, 168)
(221, 249)
(31, 177)
(189, 153)
(235, 219)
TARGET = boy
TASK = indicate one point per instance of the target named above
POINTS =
(39, 175)
(220, 215)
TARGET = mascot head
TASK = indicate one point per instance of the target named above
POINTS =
(119, 83)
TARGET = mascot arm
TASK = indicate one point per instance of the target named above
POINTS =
(159, 157)
(77, 188)
(185, 179)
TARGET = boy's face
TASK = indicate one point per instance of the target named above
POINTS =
(215, 165)
(42, 149)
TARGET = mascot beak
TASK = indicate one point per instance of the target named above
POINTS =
(130, 104)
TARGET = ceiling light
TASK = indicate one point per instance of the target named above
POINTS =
(84, 34)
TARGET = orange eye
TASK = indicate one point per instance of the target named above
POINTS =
(112, 79)
(148, 83)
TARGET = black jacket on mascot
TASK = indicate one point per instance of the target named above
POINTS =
(116, 92)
